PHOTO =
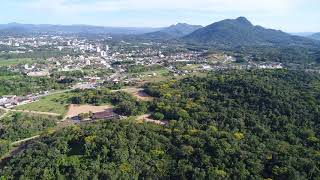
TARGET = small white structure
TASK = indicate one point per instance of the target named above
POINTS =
(88, 63)
(104, 53)
(38, 74)
(98, 49)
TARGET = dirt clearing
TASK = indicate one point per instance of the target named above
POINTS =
(75, 110)
(147, 118)
(138, 93)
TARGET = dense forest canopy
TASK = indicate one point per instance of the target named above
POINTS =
(286, 55)
(229, 125)
(14, 83)
(17, 126)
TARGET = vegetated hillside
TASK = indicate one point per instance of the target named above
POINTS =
(174, 31)
(229, 125)
(286, 54)
(303, 34)
(315, 36)
(17, 126)
(240, 31)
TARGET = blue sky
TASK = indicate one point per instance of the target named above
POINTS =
(287, 15)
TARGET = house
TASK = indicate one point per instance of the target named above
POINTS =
(3, 100)
(8, 105)
(8, 101)
(108, 114)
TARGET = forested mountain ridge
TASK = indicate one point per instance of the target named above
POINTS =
(241, 32)
(171, 32)
(229, 125)
(315, 36)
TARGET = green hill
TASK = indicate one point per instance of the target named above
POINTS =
(241, 32)
(171, 32)
(315, 36)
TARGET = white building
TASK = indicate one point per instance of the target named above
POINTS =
(88, 63)
(26, 67)
(104, 53)
(38, 74)
(91, 47)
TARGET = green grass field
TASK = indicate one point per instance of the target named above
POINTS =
(10, 62)
(190, 67)
(161, 71)
(56, 103)
(161, 75)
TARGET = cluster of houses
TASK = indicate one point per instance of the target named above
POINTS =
(11, 101)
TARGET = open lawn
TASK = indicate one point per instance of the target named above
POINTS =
(10, 62)
(56, 103)
(158, 72)
(156, 76)
(190, 67)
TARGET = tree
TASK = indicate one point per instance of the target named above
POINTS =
(4, 147)
(158, 116)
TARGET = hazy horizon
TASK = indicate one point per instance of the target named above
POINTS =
(285, 15)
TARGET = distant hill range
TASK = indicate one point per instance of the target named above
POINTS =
(229, 32)
(16, 28)
(304, 34)
(315, 36)
(172, 32)
(240, 32)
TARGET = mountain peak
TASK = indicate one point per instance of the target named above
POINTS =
(243, 20)
(315, 36)
(174, 31)
(178, 25)
(240, 32)
(182, 28)
(182, 24)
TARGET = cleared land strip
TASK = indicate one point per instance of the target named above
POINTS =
(146, 118)
(136, 92)
(32, 112)
(36, 112)
(24, 140)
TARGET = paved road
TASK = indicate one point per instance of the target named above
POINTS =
(48, 94)
(35, 112)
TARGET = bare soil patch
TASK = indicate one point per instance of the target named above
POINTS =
(139, 94)
(147, 118)
(75, 110)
